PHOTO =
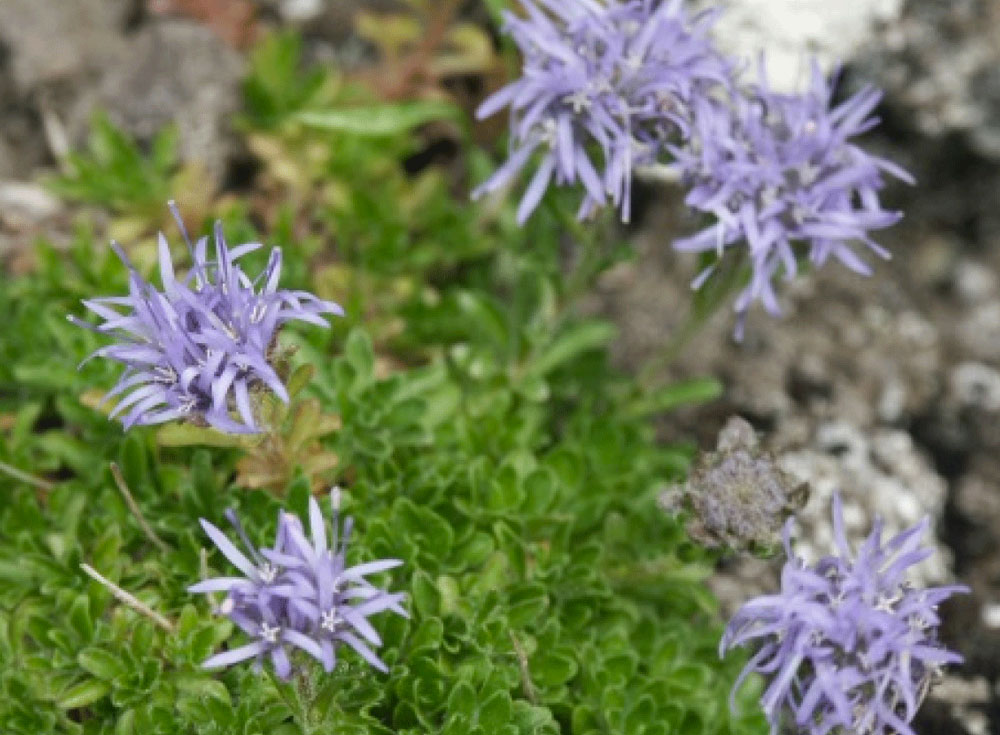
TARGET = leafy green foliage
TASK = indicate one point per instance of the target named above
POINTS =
(378, 120)
(116, 173)
(481, 436)
(277, 87)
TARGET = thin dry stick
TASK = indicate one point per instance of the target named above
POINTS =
(26, 478)
(131, 600)
(134, 507)
(522, 661)
(55, 134)
(434, 34)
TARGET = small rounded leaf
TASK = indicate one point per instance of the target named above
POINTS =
(82, 694)
(102, 664)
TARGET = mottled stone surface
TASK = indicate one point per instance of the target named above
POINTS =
(938, 60)
(56, 41)
(173, 72)
(793, 32)
(941, 65)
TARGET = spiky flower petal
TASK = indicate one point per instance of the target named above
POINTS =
(846, 646)
(198, 348)
(781, 177)
(614, 77)
(300, 594)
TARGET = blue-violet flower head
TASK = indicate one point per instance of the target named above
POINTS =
(847, 646)
(614, 76)
(300, 594)
(780, 171)
(201, 346)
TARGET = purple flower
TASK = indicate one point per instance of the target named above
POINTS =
(847, 643)
(201, 347)
(300, 594)
(778, 172)
(615, 76)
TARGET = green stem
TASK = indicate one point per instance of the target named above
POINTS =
(717, 291)
(578, 280)
(291, 697)
(587, 264)
(25, 477)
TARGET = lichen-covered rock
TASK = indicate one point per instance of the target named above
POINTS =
(173, 72)
(792, 32)
(879, 473)
(941, 63)
(937, 61)
(51, 42)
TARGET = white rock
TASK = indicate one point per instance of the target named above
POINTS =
(974, 384)
(878, 474)
(300, 11)
(792, 32)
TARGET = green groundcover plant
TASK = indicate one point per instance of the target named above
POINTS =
(380, 475)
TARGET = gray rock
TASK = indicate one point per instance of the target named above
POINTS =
(52, 42)
(300, 11)
(974, 282)
(967, 699)
(941, 63)
(975, 385)
(24, 205)
(793, 32)
(979, 332)
(877, 473)
(173, 72)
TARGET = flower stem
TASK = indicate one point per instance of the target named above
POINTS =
(712, 295)
(134, 507)
(522, 661)
(25, 477)
(586, 266)
(297, 696)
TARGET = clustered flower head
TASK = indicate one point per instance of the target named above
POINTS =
(200, 347)
(847, 646)
(609, 87)
(612, 76)
(300, 594)
(737, 496)
(779, 171)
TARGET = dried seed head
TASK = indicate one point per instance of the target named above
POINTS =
(737, 496)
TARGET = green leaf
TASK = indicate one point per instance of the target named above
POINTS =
(426, 597)
(484, 317)
(300, 378)
(505, 492)
(497, 8)
(572, 343)
(526, 603)
(79, 618)
(379, 120)
(494, 713)
(359, 354)
(687, 392)
(552, 668)
(201, 685)
(82, 694)
(428, 635)
(188, 435)
(539, 491)
(462, 700)
(102, 664)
